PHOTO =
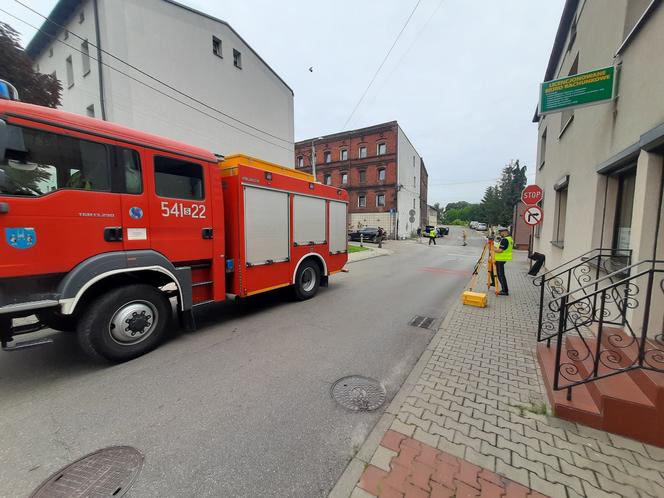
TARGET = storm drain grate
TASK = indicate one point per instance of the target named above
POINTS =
(109, 472)
(358, 393)
(423, 322)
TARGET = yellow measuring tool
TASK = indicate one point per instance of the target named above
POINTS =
(471, 298)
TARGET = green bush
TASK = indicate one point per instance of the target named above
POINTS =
(459, 223)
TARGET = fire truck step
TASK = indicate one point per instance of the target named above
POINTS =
(198, 284)
(27, 344)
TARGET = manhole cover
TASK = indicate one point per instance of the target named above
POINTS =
(106, 473)
(423, 322)
(358, 393)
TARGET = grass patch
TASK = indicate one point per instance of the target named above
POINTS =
(538, 408)
(352, 249)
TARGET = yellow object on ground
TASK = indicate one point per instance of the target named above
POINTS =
(471, 298)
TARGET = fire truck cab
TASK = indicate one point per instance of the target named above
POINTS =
(101, 224)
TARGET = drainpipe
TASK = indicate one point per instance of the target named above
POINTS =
(100, 67)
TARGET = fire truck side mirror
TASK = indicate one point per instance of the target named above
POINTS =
(4, 207)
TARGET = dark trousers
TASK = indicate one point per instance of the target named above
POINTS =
(432, 239)
(500, 270)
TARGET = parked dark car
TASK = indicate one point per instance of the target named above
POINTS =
(367, 234)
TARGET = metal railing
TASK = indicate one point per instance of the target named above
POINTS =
(574, 274)
(596, 337)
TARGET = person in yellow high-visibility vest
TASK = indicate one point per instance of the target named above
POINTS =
(432, 236)
(503, 251)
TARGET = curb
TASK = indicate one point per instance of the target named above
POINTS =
(370, 253)
(351, 475)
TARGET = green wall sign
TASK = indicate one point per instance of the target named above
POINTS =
(578, 90)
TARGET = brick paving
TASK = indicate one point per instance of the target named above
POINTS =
(405, 467)
(479, 398)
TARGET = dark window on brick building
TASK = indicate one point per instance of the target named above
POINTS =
(380, 200)
(362, 152)
(328, 179)
(344, 177)
(363, 176)
(381, 174)
(343, 155)
(381, 149)
(361, 200)
(327, 156)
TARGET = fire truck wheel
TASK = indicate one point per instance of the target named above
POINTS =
(307, 280)
(57, 321)
(124, 323)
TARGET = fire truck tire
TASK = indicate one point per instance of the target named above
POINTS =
(124, 323)
(57, 321)
(307, 280)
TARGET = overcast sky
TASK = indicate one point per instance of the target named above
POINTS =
(462, 84)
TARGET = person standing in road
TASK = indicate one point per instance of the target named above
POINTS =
(419, 234)
(432, 236)
(503, 255)
(463, 237)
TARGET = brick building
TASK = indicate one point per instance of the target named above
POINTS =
(385, 177)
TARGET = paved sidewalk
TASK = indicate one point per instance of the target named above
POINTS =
(476, 394)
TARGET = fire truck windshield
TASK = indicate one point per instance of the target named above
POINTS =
(35, 162)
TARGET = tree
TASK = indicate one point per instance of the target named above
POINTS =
(16, 66)
(497, 206)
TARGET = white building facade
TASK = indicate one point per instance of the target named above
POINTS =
(231, 101)
(601, 166)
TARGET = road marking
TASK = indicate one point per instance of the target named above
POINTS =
(446, 270)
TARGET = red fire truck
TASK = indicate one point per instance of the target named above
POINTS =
(101, 225)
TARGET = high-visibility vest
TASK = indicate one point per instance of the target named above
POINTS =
(432, 233)
(506, 255)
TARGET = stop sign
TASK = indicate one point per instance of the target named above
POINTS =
(531, 195)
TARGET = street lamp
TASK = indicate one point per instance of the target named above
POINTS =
(313, 156)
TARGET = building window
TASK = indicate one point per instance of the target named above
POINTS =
(381, 174)
(413, 203)
(66, 35)
(70, 72)
(327, 179)
(560, 216)
(178, 179)
(624, 208)
(327, 156)
(50, 52)
(381, 149)
(343, 155)
(237, 59)
(81, 17)
(216, 46)
(344, 178)
(361, 200)
(568, 114)
(542, 157)
(300, 162)
(90, 111)
(414, 182)
(362, 152)
(363, 176)
(85, 57)
(380, 200)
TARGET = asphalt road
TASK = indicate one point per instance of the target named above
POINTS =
(242, 406)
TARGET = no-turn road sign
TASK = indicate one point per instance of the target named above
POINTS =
(533, 215)
(532, 194)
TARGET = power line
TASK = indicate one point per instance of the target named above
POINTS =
(145, 84)
(410, 47)
(382, 64)
(144, 73)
